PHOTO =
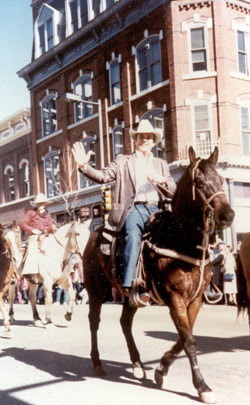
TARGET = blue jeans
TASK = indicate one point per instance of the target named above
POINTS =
(59, 293)
(134, 227)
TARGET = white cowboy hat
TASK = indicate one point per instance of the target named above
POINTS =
(145, 127)
(40, 199)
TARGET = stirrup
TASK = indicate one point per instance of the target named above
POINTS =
(134, 296)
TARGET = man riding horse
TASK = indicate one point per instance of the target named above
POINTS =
(136, 197)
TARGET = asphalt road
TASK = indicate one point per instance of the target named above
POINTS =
(52, 365)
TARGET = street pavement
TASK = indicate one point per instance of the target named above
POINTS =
(53, 366)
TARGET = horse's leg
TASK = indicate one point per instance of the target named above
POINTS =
(68, 288)
(7, 331)
(184, 320)
(48, 286)
(95, 306)
(126, 321)
(32, 298)
(12, 296)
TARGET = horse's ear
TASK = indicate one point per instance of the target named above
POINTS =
(192, 155)
(213, 158)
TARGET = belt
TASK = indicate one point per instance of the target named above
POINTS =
(147, 203)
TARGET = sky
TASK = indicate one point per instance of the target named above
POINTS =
(16, 36)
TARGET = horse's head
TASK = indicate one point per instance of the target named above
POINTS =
(80, 232)
(13, 240)
(201, 191)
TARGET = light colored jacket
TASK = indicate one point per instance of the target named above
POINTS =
(122, 170)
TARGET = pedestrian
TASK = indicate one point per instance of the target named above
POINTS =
(37, 221)
(229, 276)
(61, 296)
(135, 197)
(217, 262)
(24, 286)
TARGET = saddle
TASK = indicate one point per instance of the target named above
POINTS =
(111, 245)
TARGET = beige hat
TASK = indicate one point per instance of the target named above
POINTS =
(145, 127)
(41, 199)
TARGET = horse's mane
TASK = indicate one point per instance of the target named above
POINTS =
(64, 229)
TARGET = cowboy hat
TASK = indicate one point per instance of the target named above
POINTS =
(145, 127)
(40, 199)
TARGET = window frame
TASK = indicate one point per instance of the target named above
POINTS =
(88, 142)
(157, 116)
(147, 43)
(205, 47)
(206, 150)
(115, 145)
(55, 177)
(112, 83)
(24, 166)
(53, 126)
(244, 52)
(245, 105)
(83, 106)
(10, 183)
(46, 14)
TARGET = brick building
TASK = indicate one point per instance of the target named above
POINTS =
(15, 166)
(99, 67)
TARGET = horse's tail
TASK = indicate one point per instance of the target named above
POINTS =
(242, 299)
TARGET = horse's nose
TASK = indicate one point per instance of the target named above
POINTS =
(226, 217)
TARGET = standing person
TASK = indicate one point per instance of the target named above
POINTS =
(36, 221)
(217, 263)
(229, 276)
(135, 197)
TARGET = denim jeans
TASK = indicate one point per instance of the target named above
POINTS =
(134, 227)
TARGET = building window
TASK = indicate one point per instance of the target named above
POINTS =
(24, 178)
(198, 49)
(115, 85)
(49, 115)
(9, 184)
(52, 174)
(241, 190)
(242, 54)
(245, 130)
(46, 29)
(89, 144)
(83, 88)
(202, 130)
(149, 63)
(117, 141)
(156, 117)
(78, 14)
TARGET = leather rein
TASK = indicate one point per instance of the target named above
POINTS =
(208, 221)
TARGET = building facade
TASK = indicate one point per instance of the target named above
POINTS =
(16, 180)
(99, 67)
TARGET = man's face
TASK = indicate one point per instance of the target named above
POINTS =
(144, 142)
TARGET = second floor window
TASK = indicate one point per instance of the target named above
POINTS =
(198, 49)
(115, 85)
(202, 130)
(83, 88)
(24, 178)
(9, 184)
(149, 63)
(245, 131)
(242, 54)
(49, 115)
(52, 174)
(117, 138)
(156, 117)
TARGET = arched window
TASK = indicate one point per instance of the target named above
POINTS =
(83, 88)
(24, 178)
(148, 57)
(52, 174)
(9, 183)
(117, 141)
(49, 114)
(115, 84)
(156, 117)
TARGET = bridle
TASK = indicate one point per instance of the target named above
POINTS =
(77, 249)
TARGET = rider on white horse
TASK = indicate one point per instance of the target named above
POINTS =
(36, 222)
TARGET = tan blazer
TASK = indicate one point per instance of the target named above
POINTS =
(122, 170)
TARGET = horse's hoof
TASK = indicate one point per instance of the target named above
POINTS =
(12, 320)
(138, 371)
(7, 334)
(68, 316)
(99, 371)
(159, 378)
(38, 324)
(208, 397)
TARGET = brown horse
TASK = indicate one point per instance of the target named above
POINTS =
(6, 273)
(243, 276)
(199, 205)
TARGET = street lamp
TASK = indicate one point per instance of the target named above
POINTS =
(69, 97)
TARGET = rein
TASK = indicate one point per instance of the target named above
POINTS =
(67, 250)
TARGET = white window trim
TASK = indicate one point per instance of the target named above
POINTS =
(208, 103)
(117, 60)
(245, 27)
(54, 153)
(8, 168)
(113, 137)
(134, 51)
(189, 27)
(47, 97)
(243, 103)
(55, 20)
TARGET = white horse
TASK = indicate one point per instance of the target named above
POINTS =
(53, 259)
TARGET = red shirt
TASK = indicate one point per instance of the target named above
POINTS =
(33, 220)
